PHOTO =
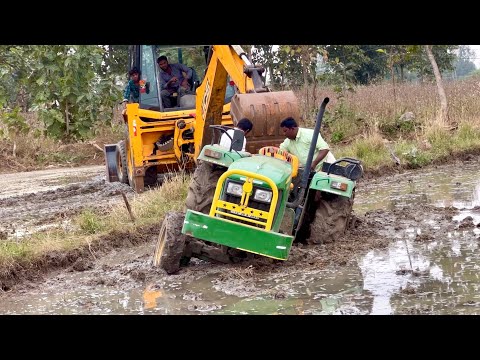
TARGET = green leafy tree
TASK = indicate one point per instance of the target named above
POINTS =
(302, 60)
(14, 72)
(69, 90)
(115, 59)
(373, 65)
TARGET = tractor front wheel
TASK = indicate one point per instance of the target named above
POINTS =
(171, 243)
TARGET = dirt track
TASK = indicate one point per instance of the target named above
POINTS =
(31, 201)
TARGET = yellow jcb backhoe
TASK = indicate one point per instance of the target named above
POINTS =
(159, 140)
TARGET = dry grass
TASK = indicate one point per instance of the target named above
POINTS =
(375, 103)
(33, 151)
(366, 120)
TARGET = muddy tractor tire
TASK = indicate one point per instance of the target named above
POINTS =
(331, 218)
(171, 243)
(121, 157)
(202, 187)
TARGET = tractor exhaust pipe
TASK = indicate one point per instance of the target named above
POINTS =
(311, 152)
(306, 173)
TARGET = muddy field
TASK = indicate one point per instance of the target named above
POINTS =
(36, 200)
(413, 250)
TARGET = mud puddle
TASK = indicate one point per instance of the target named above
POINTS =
(456, 185)
(414, 252)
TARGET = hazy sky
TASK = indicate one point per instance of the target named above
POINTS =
(476, 48)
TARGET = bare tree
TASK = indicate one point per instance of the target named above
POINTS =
(443, 115)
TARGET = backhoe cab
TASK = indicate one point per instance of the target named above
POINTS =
(227, 88)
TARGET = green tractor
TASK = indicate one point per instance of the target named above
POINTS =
(239, 205)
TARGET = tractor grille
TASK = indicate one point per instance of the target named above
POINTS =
(251, 203)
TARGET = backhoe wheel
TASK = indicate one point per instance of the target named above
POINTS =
(171, 243)
(331, 218)
(121, 156)
(202, 187)
(136, 182)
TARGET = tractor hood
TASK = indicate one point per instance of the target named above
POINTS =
(277, 170)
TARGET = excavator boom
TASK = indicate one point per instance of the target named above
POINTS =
(265, 108)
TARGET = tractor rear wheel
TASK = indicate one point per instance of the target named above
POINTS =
(171, 243)
(121, 156)
(331, 218)
(202, 187)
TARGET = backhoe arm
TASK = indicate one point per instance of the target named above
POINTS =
(224, 60)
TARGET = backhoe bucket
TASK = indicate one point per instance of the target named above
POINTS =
(111, 162)
(266, 111)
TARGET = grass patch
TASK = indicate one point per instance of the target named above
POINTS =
(90, 222)
(434, 145)
(32, 151)
(445, 143)
(411, 154)
(370, 150)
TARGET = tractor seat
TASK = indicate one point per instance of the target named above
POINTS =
(281, 154)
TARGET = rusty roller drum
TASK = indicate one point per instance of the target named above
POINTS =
(266, 111)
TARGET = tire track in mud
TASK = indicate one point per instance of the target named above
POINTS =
(33, 201)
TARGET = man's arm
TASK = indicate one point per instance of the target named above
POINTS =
(186, 70)
(163, 83)
(321, 155)
(324, 149)
(284, 144)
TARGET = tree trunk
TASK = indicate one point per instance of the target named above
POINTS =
(402, 78)
(305, 84)
(443, 116)
(392, 71)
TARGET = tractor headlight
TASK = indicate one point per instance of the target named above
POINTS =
(234, 188)
(263, 195)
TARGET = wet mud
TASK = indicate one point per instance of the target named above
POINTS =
(39, 200)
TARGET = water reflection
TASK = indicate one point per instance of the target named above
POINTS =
(444, 186)
(388, 272)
